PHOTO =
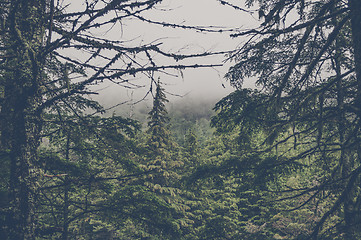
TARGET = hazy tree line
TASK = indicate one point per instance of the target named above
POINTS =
(283, 162)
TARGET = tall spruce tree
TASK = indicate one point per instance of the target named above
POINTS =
(159, 136)
(164, 162)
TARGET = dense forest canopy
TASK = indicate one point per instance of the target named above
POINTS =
(278, 162)
(309, 71)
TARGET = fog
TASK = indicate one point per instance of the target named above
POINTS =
(207, 84)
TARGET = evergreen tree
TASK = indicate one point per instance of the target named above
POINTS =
(191, 143)
(309, 70)
(159, 136)
(161, 162)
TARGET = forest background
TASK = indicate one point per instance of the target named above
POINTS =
(280, 161)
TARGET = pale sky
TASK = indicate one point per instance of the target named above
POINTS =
(204, 83)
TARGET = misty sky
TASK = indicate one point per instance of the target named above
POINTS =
(204, 83)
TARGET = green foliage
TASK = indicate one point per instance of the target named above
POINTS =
(306, 60)
(241, 108)
(191, 144)
(158, 121)
(143, 207)
(92, 183)
(284, 162)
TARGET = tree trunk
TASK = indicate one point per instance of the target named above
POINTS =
(66, 192)
(355, 8)
(352, 214)
(20, 121)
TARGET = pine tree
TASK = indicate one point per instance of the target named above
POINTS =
(191, 143)
(164, 161)
(159, 136)
(161, 151)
